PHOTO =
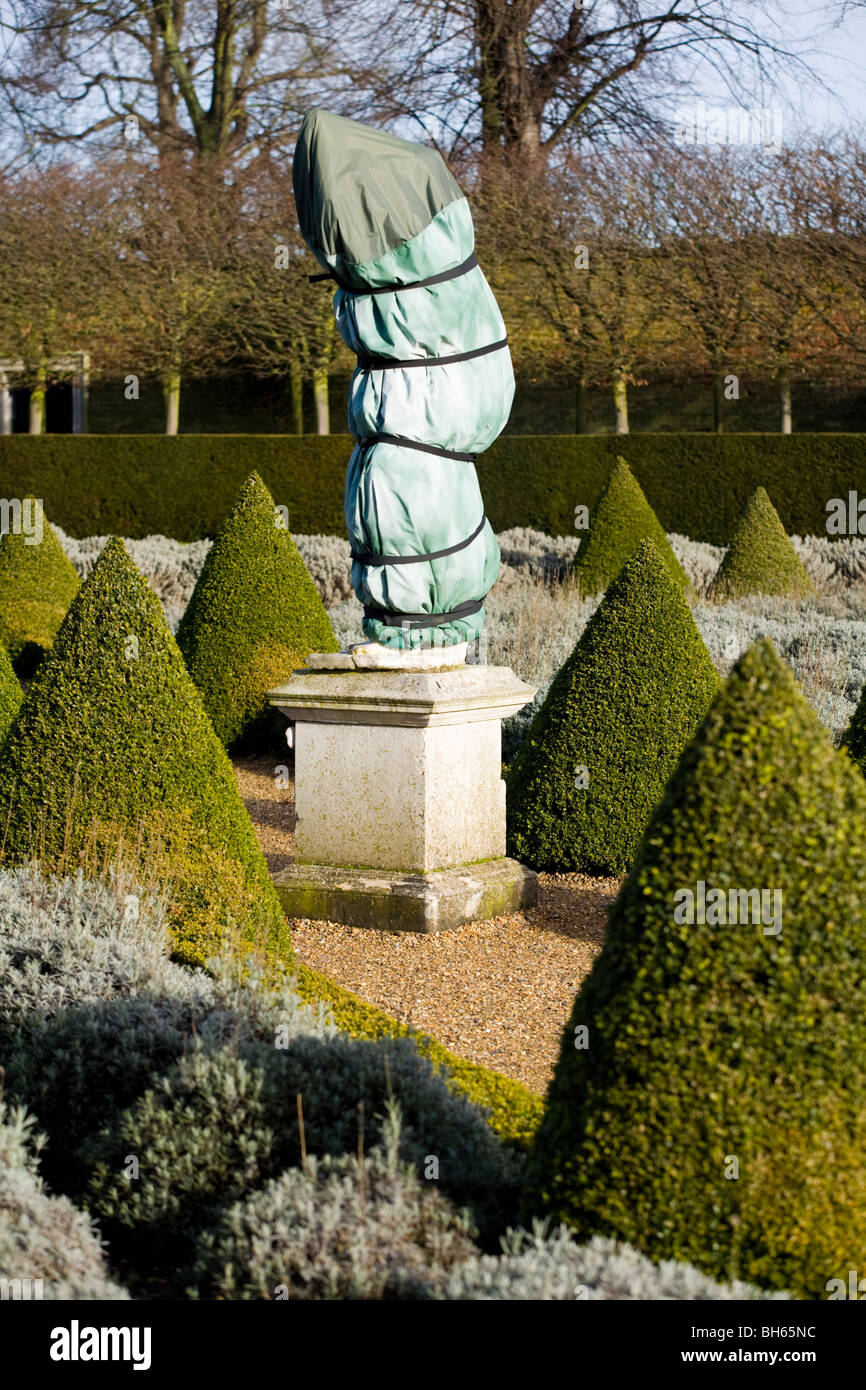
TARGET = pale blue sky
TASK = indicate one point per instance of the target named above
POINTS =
(809, 107)
(838, 56)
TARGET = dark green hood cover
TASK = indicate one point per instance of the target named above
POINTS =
(361, 192)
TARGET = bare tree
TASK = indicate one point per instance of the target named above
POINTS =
(167, 277)
(229, 78)
(523, 77)
(826, 200)
(789, 298)
(706, 217)
(52, 249)
(283, 323)
(212, 78)
(589, 233)
(729, 262)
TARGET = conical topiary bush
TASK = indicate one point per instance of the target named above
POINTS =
(37, 584)
(255, 615)
(112, 747)
(615, 720)
(709, 1102)
(760, 558)
(621, 519)
(10, 693)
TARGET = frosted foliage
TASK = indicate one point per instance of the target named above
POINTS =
(67, 942)
(43, 1237)
(699, 560)
(333, 1229)
(556, 1268)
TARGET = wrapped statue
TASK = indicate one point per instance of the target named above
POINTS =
(433, 385)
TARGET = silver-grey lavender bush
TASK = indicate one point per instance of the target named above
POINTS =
(103, 1019)
(535, 1266)
(171, 567)
(334, 1230)
(65, 940)
(329, 562)
(43, 1238)
(92, 1009)
(224, 1121)
(337, 1228)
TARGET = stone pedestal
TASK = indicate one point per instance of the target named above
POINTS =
(399, 797)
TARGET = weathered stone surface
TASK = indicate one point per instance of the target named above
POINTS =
(396, 797)
(400, 770)
(406, 902)
(373, 656)
(400, 773)
(331, 661)
(415, 698)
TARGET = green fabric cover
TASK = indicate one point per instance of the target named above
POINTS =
(361, 192)
(383, 211)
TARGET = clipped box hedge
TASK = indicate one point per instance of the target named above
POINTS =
(140, 485)
(137, 485)
(697, 484)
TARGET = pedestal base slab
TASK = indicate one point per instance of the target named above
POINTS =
(403, 901)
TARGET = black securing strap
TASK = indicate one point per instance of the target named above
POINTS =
(469, 264)
(370, 439)
(368, 364)
(389, 619)
(366, 557)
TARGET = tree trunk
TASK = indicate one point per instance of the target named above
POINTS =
(786, 402)
(171, 396)
(37, 402)
(491, 117)
(296, 391)
(320, 400)
(620, 402)
(322, 351)
(510, 103)
(5, 405)
(718, 403)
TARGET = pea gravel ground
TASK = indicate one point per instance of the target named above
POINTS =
(497, 992)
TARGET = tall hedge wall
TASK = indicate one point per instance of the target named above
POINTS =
(184, 487)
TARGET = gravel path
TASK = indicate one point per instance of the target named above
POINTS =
(497, 992)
